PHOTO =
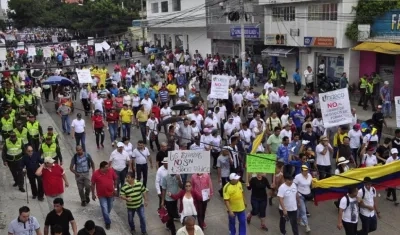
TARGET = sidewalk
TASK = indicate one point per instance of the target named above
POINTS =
(11, 199)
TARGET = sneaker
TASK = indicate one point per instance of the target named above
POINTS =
(83, 203)
(204, 225)
(396, 203)
(108, 226)
(308, 229)
(302, 223)
(33, 197)
(308, 214)
(41, 199)
(15, 185)
(270, 201)
(248, 219)
(112, 144)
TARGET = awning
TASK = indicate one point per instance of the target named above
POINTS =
(379, 47)
(279, 52)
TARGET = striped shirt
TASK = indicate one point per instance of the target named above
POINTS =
(135, 193)
(163, 94)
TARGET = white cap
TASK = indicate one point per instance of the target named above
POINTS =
(234, 176)
(394, 150)
(386, 83)
(379, 106)
(120, 144)
(207, 130)
(49, 160)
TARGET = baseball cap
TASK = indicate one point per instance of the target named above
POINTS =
(49, 160)
(394, 150)
(379, 106)
(386, 83)
(120, 144)
(234, 176)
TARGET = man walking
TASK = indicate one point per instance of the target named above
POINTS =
(64, 112)
(60, 216)
(104, 182)
(30, 163)
(24, 224)
(120, 162)
(348, 212)
(172, 184)
(135, 195)
(368, 208)
(140, 157)
(80, 165)
(37, 93)
(235, 203)
(90, 228)
(288, 201)
(78, 126)
(13, 150)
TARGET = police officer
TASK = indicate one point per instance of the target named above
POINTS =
(363, 87)
(7, 125)
(22, 115)
(52, 134)
(369, 96)
(51, 149)
(30, 102)
(21, 132)
(35, 131)
(273, 76)
(13, 150)
(11, 111)
(18, 101)
(9, 94)
(284, 76)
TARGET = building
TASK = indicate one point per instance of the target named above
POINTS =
(178, 24)
(309, 32)
(225, 34)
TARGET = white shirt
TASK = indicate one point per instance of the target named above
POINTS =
(368, 200)
(228, 128)
(355, 138)
(368, 136)
(284, 119)
(211, 122)
(135, 101)
(289, 195)
(353, 119)
(118, 160)
(183, 231)
(198, 118)
(165, 113)
(152, 125)
(161, 173)
(284, 100)
(273, 97)
(308, 76)
(128, 148)
(391, 159)
(78, 125)
(98, 104)
(237, 99)
(303, 184)
(246, 82)
(267, 85)
(127, 100)
(284, 133)
(222, 112)
(348, 210)
(197, 147)
(260, 69)
(147, 104)
(369, 160)
(37, 92)
(141, 156)
(323, 160)
(245, 135)
(206, 140)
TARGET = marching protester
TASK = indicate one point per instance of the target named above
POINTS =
(288, 201)
(59, 216)
(391, 192)
(368, 208)
(259, 200)
(78, 131)
(171, 184)
(90, 228)
(30, 163)
(303, 183)
(235, 203)
(349, 212)
(24, 224)
(120, 161)
(140, 157)
(202, 185)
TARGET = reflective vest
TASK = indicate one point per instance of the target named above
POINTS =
(363, 83)
(53, 138)
(49, 151)
(7, 124)
(23, 135)
(14, 149)
(272, 75)
(20, 102)
(9, 97)
(283, 74)
(370, 88)
(28, 99)
(12, 113)
(33, 129)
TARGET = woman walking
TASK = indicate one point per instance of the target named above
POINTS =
(202, 185)
(303, 183)
(258, 186)
(189, 201)
(98, 125)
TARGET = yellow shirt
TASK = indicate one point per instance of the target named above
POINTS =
(126, 115)
(142, 116)
(335, 139)
(264, 99)
(171, 89)
(234, 194)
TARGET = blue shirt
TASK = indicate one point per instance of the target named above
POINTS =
(152, 95)
(114, 91)
(297, 166)
(31, 163)
(298, 117)
(296, 146)
(283, 153)
(142, 91)
(296, 77)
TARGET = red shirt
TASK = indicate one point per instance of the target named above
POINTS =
(53, 183)
(123, 73)
(98, 121)
(104, 182)
(120, 102)
(112, 117)
(108, 103)
(156, 110)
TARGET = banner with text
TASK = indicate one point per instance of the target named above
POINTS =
(261, 163)
(219, 87)
(335, 107)
(31, 51)
(397, 106)
(84, 76)
(188, 162)
(46, 52)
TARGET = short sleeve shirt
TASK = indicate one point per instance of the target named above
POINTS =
(234, 194)
(17, 227)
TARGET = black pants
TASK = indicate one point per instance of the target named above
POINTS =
(324, 171)
(224, 180)
(292, 215)
(16, 171)
(172, 209)
(370, 98)
(80, 140)
(99, 135)
(215, 156)
(310, 86)
(86, 106)
(36, 185)
(142, 126)
(201, 213)
(362, 96)
(369, 224)
(142, 169)
(350, 228)
(155, 140)
(46, 94)
(297, 87)
(392, 192)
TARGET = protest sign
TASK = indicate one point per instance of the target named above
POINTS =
(90, 41)
(74, 44)
(3, 53)
(54, 39)
(98, 47)
(84, 76)
(397, 106)
(335, 108)
(20, 46)
(105, 45)
(31, 51)
(261, 163)
(46, 52)
(188, 162)
(219, 87)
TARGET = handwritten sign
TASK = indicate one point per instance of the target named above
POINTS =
(46, 52)
(84, 76)
(98, 47)
(335, 107)
(261, 163)
(219, 87)
(188, 162)
(105, 45)
(90, 41)
(31, 51)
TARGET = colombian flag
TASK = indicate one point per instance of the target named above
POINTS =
(383, 176)
(256, 143)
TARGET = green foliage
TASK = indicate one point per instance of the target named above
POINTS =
(101, 17)
(366, 12)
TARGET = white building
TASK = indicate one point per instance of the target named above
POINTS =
(178, 23)
(306, 32)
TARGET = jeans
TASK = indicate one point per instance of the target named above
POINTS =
(142, 126)
(142, 218)
(65, 123)
(126, 130)
(293, 222)
(387, 109)
(142, 169)
(113, 128)
(369, 224)
(350, 228)
(80, 138)
(302, 210)
(106, 205)
(324, 171)
(242, 223)
(121, 178)
(252, 76)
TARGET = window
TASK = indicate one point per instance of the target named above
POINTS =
(176, 5)
(164, 6)
(283, 14)
(154, 7)
(324, 12)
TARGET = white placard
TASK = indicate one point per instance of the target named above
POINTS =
(54, 39)
(3, 53)
(219, 87)
(74, 44)
(335, 107)
(31, 51)
(188, 162)
(84, 76)
(397, 107)
(98, 47)
(20, 46)
(205, 193)
(46, 52)
(105, 45)
(90, 41)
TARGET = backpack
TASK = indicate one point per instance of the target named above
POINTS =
(88, 159)
(363, 192)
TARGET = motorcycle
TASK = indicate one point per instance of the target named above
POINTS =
(326, 84)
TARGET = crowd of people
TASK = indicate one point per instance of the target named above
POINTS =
(164, 97)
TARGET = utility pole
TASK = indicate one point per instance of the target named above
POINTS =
(142, 10)
(242, 38)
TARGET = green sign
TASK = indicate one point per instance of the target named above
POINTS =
(261, 163)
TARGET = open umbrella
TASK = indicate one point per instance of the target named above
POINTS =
(170, 120)
(58, 80)
(181, 107)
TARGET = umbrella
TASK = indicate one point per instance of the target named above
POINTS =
(37, 74)
(170, 120)
(181, 107)
(58, 80)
